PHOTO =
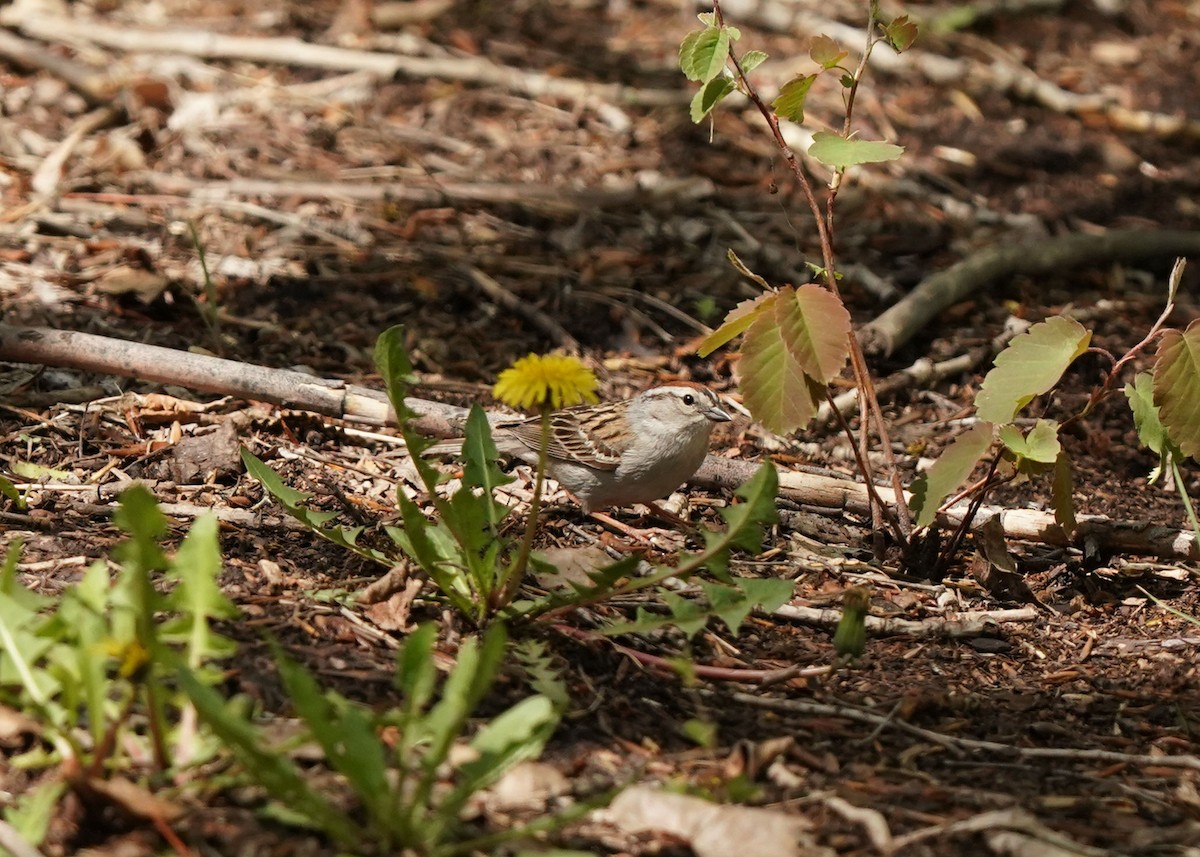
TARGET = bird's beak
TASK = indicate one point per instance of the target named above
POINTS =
(717, 415)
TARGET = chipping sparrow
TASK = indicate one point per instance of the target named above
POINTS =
(619, 453)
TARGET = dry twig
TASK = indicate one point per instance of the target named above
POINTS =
(858, 715)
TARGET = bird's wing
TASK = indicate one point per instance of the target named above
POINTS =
(569, 442)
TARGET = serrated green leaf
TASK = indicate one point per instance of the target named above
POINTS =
(815, 326)
(737, 322)
(139, 516)
(774, 387)
(728, 604)
(686, 614)
(1041, 446)
(734, 32)
(709, 96)
(706, 56)
(789, 104)
(481, 471)
(543, 672)
(416, 675)
(836, 151)
(292, 502)
(30, 814)
(478, 662)
(436, 551)
(752, 60)
(196, 566)
(1140, 394)
(271, 481)
(825, 52)
(513, 736)
(480, 454)
(643, 623)
(1177, 387)
(604, 579)
(900, 33)
(732, 604)
(22, 650)
(747, 520)
(768, 593)
(1149, 427)
(391, 359)
(949, 471)
(686, 48)
(1031, 365)
(11, 586)
(344, 732)
(1042, 443)
(275, 771)
(708, 19)
(790, 353)
(1062, 494)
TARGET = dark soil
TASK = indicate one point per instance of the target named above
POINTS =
(310, 279)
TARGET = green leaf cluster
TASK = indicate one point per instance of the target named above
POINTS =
(1163, 403)
(1031, 365)
(1150, 429)
(733, 598)
(411, 790)
(461, 548)
(110, 671)
(703, 58)
(94, 668)
(730, 603)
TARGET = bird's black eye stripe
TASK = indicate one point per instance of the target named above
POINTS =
(689, 399)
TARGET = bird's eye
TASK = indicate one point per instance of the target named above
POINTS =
(689, 399)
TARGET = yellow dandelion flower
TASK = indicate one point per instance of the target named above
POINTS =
(537, 380)
(132, 657)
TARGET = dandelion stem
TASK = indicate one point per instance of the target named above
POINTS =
(512, 580)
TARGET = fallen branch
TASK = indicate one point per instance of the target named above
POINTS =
(975, 273)
(923, 372)
(514, 304)
(94, 88)
(1105, 534)
(705, 671)
(294, 52)
(1034, 837)
(552, 198)
(970, 624)
(394, 15)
